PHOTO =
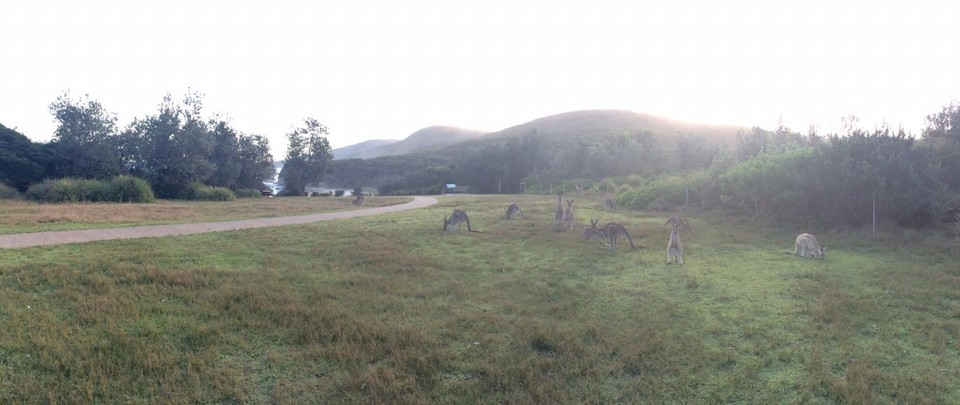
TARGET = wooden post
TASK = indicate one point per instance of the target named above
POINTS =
(874, 229)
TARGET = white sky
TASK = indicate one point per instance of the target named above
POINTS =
(384, 69)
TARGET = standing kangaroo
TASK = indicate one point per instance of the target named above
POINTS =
(614, 231)
(674, 248)
(807, 246)
(456, 220)
(676, 221)
(608, 205)
(358, 200)
(512, 211)
(592, 233)
(558, 215)
(568, 216)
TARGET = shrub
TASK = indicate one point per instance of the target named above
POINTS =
(121, 189)
(128, 189)
(202, 192)
(247, 193)
(7, 192)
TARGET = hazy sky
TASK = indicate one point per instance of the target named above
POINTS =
(384, 69)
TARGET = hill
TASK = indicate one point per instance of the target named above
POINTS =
(590, 144)
(587, 123)
(361, 150)
(430, 138)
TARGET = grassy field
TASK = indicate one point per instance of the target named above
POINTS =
(390, 309)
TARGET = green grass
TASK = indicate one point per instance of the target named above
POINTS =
(391, 309)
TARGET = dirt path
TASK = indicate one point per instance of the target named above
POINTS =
(87, 235)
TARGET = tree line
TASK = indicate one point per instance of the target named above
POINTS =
(173, 149)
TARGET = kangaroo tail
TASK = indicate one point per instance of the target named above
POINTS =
(629, 239)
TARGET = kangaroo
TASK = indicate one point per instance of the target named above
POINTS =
(674, 248)
(358, 200)
(592, 233)
(807, 246)
(614, 231)
(675, 221)
(512, 211)
(568, 216)
(558, 215)
(456, 220)
(608, 205)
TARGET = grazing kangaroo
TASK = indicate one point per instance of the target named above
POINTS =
(807, 246)
(558, 215)
(674, 248)
(512, 211)
(614, 231)
(608, 205)
(568, 216)
(358, 200)
(456, 221)
(592, 233)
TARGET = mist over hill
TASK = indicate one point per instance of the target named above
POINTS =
(363, 150)
(433, 137)
(590, 144)
(587, 123)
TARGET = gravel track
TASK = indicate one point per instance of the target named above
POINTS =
(88, 235)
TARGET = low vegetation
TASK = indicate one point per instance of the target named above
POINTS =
(390, 309)
(122, 189)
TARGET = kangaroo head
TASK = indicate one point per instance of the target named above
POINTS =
(593, 223)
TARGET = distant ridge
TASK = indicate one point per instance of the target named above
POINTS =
(582, 123)
(601, 122)
(428, 138)
(362, 149)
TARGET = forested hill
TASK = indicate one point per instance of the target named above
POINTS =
(429, 138)
(361, 150)
(604, 122)
(591, 144)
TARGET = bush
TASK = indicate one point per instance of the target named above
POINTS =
(202, 192)
(7, 192)
(122, 189)
(247, 193)
(128, 189)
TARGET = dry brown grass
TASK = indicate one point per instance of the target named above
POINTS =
(24, 216)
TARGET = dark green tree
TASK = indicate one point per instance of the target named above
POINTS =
(85, 140)
(22, 162)
(225, 156)
(309, 157)
(173, 147)
(255, 161)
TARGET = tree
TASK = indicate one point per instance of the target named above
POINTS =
(22, 162)
(173, 147)
(225, 156)
(308, 157)
(255, 161)
(943, 136)
(85, 139)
